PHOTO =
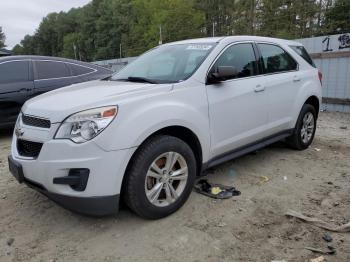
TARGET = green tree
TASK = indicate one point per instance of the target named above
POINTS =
(337, 18)
(2, 38)
(18, 50)
(176, 19)
(71, 46)
(218, 16)
(100, 28)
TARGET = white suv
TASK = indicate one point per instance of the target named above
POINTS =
(145, 134)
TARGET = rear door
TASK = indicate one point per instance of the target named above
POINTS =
(238, 107)
(50, 75)
(283, 81)
(16, 85)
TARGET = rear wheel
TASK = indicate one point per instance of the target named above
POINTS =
(305, 128)
(160, 178)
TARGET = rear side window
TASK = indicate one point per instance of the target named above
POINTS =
(240, 56)
(300, 50)
(14, 71)
(78, 70)
(275, 59)
(51, 69)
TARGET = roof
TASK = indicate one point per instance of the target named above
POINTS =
(236, 38)
(49, 58)
(36, 57)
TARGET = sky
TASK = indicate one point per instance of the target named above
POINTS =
(21, 17)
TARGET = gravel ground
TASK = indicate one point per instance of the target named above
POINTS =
(250, 227)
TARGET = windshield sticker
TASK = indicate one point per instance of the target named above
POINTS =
(199, 47)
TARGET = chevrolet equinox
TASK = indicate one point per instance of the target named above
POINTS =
(147, 132)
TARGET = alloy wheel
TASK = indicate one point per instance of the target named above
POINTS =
(166, 179)
(307, 128)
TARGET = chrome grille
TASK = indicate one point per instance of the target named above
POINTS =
(36, 121)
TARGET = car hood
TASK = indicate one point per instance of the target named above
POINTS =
(59, 104)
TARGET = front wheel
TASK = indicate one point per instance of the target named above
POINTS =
(160, 178)
(305, 128)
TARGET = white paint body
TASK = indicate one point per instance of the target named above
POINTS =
(223, 116)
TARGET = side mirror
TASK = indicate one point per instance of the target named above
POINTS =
(222, 73)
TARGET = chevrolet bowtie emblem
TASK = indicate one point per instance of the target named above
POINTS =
(19, 132)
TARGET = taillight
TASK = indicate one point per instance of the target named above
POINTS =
(320, 76)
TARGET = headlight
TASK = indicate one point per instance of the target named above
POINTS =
(86, 125)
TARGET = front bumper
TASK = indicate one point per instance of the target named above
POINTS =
(55, 161)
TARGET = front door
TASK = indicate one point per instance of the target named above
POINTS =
(238, 107)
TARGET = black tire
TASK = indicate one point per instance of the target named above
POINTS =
(134, 192)
(295, 140)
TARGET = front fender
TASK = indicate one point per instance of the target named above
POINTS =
(140, 118)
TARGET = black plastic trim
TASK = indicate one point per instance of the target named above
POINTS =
(91, 206)
(246, 149)
(77, 179)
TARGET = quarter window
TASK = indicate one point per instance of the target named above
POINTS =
(79, 70)
(51, 69)
(300, 50)
(275, 59)
(14, 71)
(241, 57)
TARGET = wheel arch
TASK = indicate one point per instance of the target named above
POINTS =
(314, 101)
(178, 131)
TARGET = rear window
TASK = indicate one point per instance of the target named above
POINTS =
(80, 70)
(300, 50)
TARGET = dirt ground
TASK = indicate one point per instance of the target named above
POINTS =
(250, 227)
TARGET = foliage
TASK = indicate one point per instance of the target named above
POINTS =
(106, 29)
(338, 17)
(2, 38)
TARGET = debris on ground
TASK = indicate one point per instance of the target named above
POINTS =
(329, 251)
(343, 127)
(318, 259)
(215, 190)
(10, 241)
(232, 173)
(327, 238)
(264, 179)
(319, 223)
(317, 149)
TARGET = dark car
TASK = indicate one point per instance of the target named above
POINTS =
(24, 77)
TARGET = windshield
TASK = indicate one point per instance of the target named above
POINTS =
(166, 64)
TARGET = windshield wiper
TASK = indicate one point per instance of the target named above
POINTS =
(139, 79)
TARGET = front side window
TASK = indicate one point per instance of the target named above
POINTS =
(275, 59)
(239, 56)
(51, 69)
(166, 64)
(14, 71)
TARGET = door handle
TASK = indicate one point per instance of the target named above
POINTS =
(259, 88)
(296, 79)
